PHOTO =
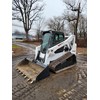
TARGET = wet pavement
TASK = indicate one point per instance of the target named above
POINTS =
(70, 84)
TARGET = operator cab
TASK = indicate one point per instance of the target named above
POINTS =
(50, 39)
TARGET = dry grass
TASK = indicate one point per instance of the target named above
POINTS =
(82, 50)
(32, 42)
(18, 50)
(15, 46)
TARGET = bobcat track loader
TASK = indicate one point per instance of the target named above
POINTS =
(56, 53)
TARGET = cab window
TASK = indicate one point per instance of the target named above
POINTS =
(61, 38)
(58, 38)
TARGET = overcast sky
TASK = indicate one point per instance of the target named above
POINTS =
(52, 8)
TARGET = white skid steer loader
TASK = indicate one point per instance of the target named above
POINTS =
(54, 54)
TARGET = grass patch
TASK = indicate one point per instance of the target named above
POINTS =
(18, 50)
(15, 46)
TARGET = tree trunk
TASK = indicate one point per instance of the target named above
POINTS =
(84, 35)
(75, 33)
(38, 36)
(27, 37)
(38, 33)
(76, 26)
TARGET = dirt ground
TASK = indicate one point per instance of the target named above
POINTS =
(19, 51)
(67, 85)
(70, 84)
(82, 50)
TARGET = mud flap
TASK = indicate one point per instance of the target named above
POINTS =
(32, 70)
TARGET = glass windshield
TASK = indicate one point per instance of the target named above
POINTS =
(45, 42)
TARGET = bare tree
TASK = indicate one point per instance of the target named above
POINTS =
(82, 27)
(71, 26)
(39, 27)
(27, 11)
(56, 24)
(74, 9)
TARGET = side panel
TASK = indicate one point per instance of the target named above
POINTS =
(61, 49)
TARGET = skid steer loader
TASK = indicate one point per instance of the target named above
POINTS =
(56, 53)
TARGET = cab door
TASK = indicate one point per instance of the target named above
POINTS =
(58, 39)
